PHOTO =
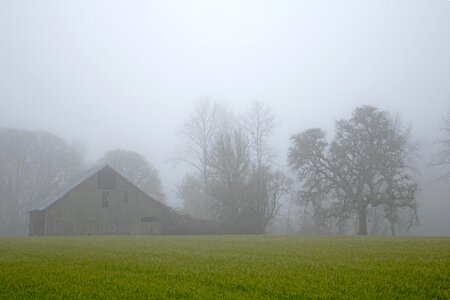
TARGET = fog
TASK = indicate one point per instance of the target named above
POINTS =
(114, 74)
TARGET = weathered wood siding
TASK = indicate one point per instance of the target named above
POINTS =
(80, 212)
(37, 223)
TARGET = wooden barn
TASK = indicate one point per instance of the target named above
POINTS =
(99, 201)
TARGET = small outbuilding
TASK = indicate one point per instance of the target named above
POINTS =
(100, 201)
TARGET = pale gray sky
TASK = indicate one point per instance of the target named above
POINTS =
(125, 74)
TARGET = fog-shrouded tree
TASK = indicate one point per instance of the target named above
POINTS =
(267, 184)
(442, 159)
(258, 124)
(265, 204)
(33, 164)
(233, 160)
(197, 134)
(365, 165)
(230, 167)
(137, 169)
(196, 138)
(238, 201)
(194, 198)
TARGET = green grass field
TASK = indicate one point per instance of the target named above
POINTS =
(225, 267)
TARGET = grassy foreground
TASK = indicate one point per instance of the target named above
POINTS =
(225, 267)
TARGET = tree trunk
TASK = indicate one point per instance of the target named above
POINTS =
(392, 228)
(362, 220)
(288, 221)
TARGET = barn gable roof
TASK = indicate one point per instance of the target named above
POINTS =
(64, 189)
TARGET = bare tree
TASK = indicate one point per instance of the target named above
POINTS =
(261, 210)
(197, 136)
(234, 162)
(443, 157)
(259, 123)
(230, 164)
(138, 170)
(32, 166)
(365, 165)
(268, 186)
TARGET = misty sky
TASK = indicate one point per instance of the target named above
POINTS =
(125, 74)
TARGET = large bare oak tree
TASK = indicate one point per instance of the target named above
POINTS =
(366, 165)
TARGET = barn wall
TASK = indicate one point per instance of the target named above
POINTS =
(139, 206)
(80, 212)
(36, 223)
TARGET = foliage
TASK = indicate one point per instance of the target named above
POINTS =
(366, 165)
(138, 170)
(225, 267)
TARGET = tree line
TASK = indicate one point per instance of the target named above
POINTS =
(363, 175)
